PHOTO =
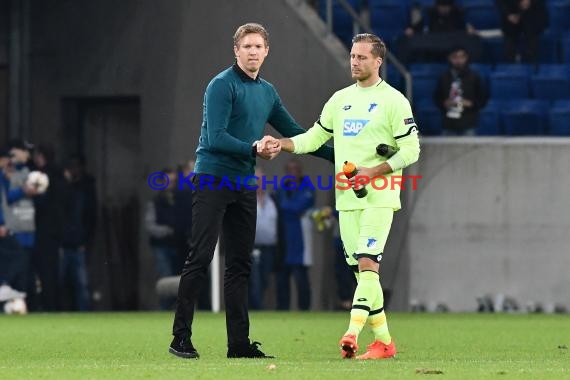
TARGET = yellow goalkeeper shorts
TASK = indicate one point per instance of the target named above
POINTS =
(364, 232)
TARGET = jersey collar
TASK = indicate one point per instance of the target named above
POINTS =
(377, 84)
(244, 77)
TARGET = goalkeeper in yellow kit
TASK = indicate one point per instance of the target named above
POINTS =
(359, 117)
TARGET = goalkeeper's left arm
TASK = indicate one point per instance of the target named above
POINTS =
(408, 154)
(409, 151)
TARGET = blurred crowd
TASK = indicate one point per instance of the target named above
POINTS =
(434, 29)
(287, 226)
(509, 60)
(48, 217)
(47, 221)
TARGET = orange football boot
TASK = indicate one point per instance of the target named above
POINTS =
(348, 346)
(379, 350)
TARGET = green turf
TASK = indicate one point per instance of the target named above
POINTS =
(134, 345)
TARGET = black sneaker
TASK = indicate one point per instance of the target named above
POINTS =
(248, 350)
(183, 348)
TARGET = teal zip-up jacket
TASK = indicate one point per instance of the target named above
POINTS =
(236, 109)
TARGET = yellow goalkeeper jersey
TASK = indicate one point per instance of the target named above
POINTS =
(360, 118)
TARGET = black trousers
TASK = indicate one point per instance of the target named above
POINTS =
(232, 213)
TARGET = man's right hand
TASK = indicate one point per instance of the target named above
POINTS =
(268, 147)
(3, 231)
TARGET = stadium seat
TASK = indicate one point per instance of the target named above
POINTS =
(494, 50)
(516, 68)
(430, 68)
(565, 48)
(506, 85)
(467, 3)
(423, 85)
(484, 70)
(342, 21)
(388, 19)
(548, 51)
(558, 69)
(558, 117)
(389, 36)
(489, 119)
(525, 117)
(428, 118)
(395, 79)
(551, 82)
(559, 15)
(550, 87)
(482, 15)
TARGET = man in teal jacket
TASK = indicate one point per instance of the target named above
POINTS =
(237, 105)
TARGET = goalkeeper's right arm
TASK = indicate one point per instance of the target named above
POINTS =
(306, 142)
(287, 145)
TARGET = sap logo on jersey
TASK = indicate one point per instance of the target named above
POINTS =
(352, 127)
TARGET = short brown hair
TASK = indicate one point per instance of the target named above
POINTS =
(378, 46)
(249, 28)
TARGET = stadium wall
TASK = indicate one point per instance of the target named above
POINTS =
(490, 216)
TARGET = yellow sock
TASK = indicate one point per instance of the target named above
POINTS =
(377, 319)
(365, 295)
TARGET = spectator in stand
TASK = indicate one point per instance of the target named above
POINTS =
(523, 21)
(430, 40)
(445, 16)
(416, 22)
(460, 94)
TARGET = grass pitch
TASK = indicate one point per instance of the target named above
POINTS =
(135, 345)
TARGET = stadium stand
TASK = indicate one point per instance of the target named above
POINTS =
(559, 14)
(429, 117)
(525, 99)
(551, 82)
(508, 85)
(388, 18)
(525, 117)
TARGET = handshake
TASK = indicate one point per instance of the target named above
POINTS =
(267, 148)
